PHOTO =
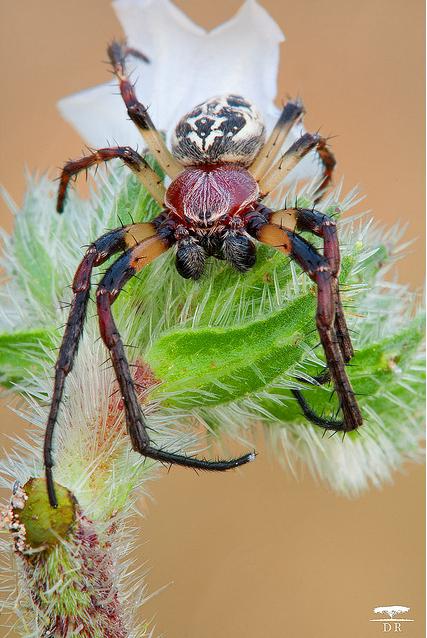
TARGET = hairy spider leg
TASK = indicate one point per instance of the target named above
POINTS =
(97, 253)
(108, 290)
(328, 162)
(291, 113)
(295, 153)
(138, 113)
(318, 269)
(132, 159)
(321, 225)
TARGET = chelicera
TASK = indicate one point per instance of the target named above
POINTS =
(221, 169)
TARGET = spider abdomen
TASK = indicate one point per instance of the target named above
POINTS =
(203, 195)
(225, 128)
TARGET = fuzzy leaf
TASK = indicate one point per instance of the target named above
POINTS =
(377, 372)
(23, 353)
(223, 364)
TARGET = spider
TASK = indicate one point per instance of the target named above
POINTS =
(221, 169)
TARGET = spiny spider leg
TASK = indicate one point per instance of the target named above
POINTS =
(138, 113)
(135, 53)
(97, 253)
(109, 288)
(318, 269)
(329, 162)
(313, 417)
(321, 225)
(309, 413)
(131, 158)
(290, 115)
(295, 153)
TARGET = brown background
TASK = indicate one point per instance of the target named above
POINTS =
(257, 553)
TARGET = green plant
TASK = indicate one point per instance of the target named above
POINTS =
(222, 353)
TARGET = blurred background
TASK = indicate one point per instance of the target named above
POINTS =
(258, 553)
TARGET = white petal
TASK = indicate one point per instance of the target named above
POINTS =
(100, 117)
(190, 65)
(187, 66)
(307, 167)
(171, 41)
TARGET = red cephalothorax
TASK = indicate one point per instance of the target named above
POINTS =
(211, 193)
(221, 168)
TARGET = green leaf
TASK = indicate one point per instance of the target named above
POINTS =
(271, 270)
(379, 374)
(217, 365)
(36, 274)
(23, 353)
(134, 203)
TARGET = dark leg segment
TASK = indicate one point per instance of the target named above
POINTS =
(131, 158)
(138, 113)
(135, 53)
(319, 270)
(97, 253)
(323, 226)
(329, 162)
(111, 284)
(325, 319)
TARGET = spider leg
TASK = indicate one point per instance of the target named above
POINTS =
(295, 153)
(131, 158)
(319, 270)
(323, 226)
(328, 162)
(97, 253)
(109, 288)
(290, 115)
(138, 113)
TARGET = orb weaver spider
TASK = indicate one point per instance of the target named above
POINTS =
(221, 169)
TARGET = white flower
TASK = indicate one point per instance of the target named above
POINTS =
(93, 454)
(187, 66)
